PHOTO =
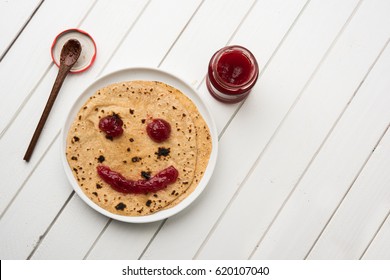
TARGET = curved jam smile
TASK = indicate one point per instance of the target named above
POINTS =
(119, 183)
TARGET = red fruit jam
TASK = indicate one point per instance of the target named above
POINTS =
(159, 130)
(111, 125)
(232, 73)
(119, 183)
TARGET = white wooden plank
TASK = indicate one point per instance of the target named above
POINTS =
(334, 169)
(254, 124)
(121, 241)
(379, 249)
(34, 209)
(13, 148)
(21, 80)
(13, 17)
(153, 36)
(301, 135)
(361, 213)
(145, 30)
(66, 240)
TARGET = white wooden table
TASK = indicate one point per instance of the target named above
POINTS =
(303, 163)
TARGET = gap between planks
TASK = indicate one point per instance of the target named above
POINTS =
(377, 232)
(21, 30)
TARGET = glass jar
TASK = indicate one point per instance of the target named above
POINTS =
(232, 73)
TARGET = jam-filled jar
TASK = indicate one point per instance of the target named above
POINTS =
(232, 73)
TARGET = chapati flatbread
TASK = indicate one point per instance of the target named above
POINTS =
(137, 103)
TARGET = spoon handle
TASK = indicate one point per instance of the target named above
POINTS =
(62, 73)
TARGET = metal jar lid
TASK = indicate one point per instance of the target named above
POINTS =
(88, 53)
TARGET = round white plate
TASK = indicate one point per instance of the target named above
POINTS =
(150, 74)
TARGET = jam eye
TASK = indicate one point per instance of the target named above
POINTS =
(159, 130)
(111, 125)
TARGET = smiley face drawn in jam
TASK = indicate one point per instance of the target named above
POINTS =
(159, 131)
(133, 153)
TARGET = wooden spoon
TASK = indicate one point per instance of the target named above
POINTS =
(69, 54)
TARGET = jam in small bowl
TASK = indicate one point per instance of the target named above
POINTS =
(232, 73)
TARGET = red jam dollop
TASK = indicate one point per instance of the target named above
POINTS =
(159, 130)
(111, 125)
(119, 183)
(232, 73)
(234, 68)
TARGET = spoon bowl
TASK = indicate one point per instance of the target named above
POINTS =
(70, 53)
